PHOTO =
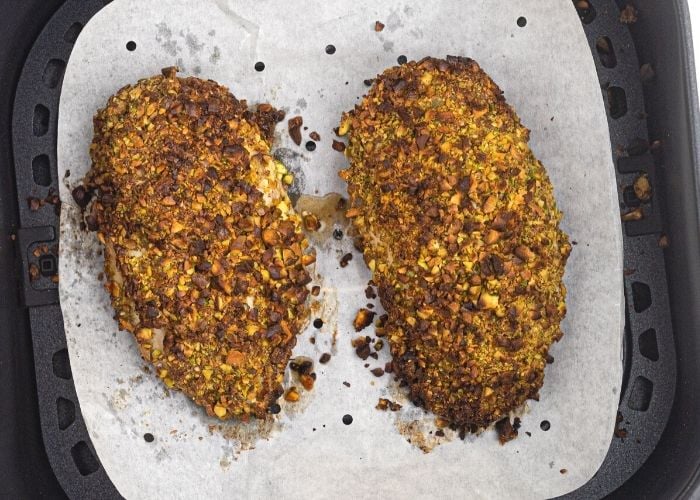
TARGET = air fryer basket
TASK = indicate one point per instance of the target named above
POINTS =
(653, 120)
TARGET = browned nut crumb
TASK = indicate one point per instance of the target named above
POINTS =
(363, 319)
(307, 381)
(646, 72)
(315, 290)
(378, 345)
(386, 404)
(441, 423)
(378, 26)
(294, 127)
(338, 146)
(33, 272)
(325, 358)
(635, 214)
(311, 222)
(292, 395)
(620, 432)
(81, 196)
(642, 188)
(629, 14)
(302, 365)
(315, 136)
(377, 372)
(362, 349)
(360, 341)
(34, 203)
(506, 430)
(663, 241)
(345, 259)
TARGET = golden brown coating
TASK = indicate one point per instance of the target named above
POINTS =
(204, 255)
(458, 223)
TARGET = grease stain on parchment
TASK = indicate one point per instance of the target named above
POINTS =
(330, 212)
(173, 45)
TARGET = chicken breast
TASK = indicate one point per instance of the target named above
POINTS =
(458, 223)
(205, 258)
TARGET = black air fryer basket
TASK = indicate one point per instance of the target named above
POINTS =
(647, 78)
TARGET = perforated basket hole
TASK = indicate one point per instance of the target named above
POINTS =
(71, 34)
(65, 410)
(40, 122)
(648, 346)
(586, 11)
(61, 364)
(41, 170)
(606, 52)
(641, 296)
(617, 102)
(640, 396)
(53, 73)
(84, 460)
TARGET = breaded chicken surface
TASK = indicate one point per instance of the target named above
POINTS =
(204, 255)
(459, 226)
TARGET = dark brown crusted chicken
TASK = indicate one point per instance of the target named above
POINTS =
(204, 255)
(458, 223)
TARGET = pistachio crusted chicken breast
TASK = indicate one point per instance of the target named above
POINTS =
(458, 224)
(205, 257)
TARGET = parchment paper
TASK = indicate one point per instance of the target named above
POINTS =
(547, 73)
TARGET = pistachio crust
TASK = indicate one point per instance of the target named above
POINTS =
(204, 255)
(458, 224)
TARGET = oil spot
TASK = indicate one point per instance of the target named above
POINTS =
(197, 70)
(294, 163)
(193, 43)
(301, 103)
(120, 399)
(388, 46)
(211, 32)
(164, 37)
(394, 22)
(162, 455)
(330, 211)
(215, 56)
(417, 33)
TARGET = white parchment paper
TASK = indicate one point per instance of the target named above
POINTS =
(547, 73)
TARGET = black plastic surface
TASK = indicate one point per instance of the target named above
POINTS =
(34, 119)
(662, 38)
(648, 390)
